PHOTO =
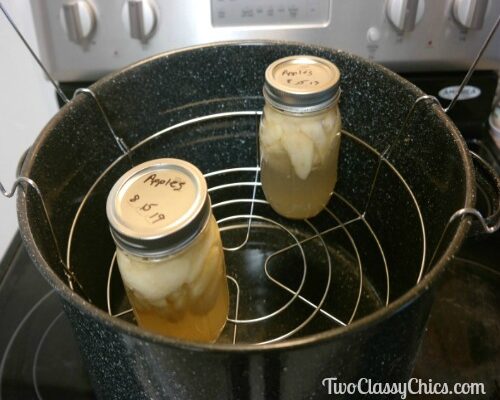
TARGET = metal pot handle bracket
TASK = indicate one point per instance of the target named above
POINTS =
(19, 182)
(490, 223)
(480, 224)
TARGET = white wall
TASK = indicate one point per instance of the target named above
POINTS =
(27, 101)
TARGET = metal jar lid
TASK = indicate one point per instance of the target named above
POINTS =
(301, 83)
(158, 207)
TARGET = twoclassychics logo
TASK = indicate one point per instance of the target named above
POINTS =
(366, 386)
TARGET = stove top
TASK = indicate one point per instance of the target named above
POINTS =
(40, 358)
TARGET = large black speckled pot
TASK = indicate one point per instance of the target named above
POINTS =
(76, 147)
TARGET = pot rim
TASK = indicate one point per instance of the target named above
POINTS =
(363, 323)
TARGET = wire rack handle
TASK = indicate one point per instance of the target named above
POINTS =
(18, 183)
(119, 141)
(490, 223)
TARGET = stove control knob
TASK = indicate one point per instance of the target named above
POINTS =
(78, 19)
(405, 14)
(140, 18)
(469, 14)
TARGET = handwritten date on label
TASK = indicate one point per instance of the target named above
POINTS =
(175, 184)
(157, 217)
(148, 206)
(302, 82)
(154, 218)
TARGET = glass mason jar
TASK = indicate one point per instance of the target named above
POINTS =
(300, 135)
(169, 250)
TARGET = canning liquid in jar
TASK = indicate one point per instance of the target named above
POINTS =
(300, 135)
(169, 250)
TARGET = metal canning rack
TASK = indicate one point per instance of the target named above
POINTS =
(254, 220)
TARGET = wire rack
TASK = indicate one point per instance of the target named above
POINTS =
(240, 218)
(295, 236)
(260, 217)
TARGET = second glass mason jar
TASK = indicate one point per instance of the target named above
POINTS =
(169, 250)
(300, 135)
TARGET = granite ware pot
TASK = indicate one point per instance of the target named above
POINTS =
(407, 217)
